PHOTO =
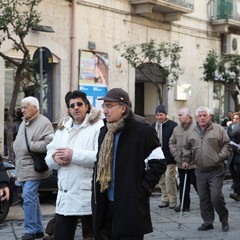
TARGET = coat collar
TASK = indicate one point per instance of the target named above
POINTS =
(29, 121)
(90, 118)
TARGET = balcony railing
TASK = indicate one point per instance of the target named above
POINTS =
(224, 15)
(182, 3)
(224, 10)
(170, 9)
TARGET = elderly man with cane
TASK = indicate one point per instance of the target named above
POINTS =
(176, 144)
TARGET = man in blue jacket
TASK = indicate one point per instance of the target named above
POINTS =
(129, 165)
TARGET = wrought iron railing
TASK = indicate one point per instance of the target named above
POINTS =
(182, 3)
(224, 10)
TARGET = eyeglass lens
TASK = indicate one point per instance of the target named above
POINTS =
(79, 104)
(108, 106)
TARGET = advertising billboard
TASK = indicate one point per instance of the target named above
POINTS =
(93, 75)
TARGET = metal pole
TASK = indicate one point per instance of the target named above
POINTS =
(182, 200)
(41, 80)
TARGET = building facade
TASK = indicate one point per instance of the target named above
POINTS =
(84, 29)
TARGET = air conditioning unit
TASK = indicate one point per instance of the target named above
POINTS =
(231, 44)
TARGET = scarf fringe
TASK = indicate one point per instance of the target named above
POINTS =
(104, 170)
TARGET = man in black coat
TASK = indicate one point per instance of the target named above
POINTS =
(129, 165)
(4, 182)
(167, 183)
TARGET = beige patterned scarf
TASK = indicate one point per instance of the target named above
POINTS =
(104, 171)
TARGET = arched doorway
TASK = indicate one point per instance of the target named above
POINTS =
(149, 89)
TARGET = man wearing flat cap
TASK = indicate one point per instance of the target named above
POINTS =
(164, 128)
(129, 165)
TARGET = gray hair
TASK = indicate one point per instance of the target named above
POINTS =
(32, 101)
(186, 112)
(203, 109)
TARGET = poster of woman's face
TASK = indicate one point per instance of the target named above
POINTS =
(93, 68)
(93, 75)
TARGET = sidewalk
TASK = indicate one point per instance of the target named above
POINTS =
(165, 221)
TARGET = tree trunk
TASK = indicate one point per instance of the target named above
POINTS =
(11, 113)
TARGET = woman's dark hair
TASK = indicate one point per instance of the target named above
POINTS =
(77, 94)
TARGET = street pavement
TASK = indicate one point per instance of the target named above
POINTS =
(165, 221)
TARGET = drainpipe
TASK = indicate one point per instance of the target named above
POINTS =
(74, 52)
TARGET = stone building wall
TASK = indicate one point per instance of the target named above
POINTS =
(109, 22)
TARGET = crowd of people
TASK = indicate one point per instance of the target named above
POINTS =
(199, 147)
(108, 168)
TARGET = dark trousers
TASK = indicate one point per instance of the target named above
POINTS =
(87, 226)
(209, 184)
(191, 179)
(65, 227)
(106, 232)
(231, 167)
(237, 180)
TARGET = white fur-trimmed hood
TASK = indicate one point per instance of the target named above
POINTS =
(90, 118)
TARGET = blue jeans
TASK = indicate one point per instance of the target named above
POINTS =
(31, 207)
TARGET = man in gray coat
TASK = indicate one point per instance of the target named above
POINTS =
(210, 146)
(39, 133)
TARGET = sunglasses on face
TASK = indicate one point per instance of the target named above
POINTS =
(79, 104)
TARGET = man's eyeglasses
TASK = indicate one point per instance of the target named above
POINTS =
(108, 106)
(79, 104)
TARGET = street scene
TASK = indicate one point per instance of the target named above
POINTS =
(165, 221)
(109, 105)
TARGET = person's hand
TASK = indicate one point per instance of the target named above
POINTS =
(4, 193)
(185, 165)
(63, 156)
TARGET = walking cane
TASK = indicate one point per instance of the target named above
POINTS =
(183, 194)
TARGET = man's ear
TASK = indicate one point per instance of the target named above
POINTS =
(124, 108)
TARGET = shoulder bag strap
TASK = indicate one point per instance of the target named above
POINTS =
(26, 139)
